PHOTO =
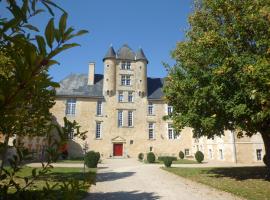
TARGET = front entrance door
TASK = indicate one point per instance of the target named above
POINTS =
(117, 149)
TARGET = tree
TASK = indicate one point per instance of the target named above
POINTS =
(222, 77)
(26, 89)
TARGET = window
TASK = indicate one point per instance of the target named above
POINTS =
(98, 130)
(221, 154)
(120, 118)
(169, 110)
(125, 80)
(120, 96)
(71, 106)
(186, 152)
(210, 153)
(259, 154)
(125, 65)
(130, 96)
(151, 130)
(130, 118)
(150, 109)
(99, 108)
(71, 134)
(171, 132)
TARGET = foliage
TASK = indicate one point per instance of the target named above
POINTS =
(91, 159)
(199, 156)
(221, 79)
(162, 158)
(246, 182)
(26, 90)
(181, 155)
(140, 156)
(151, 158)
(167, 160)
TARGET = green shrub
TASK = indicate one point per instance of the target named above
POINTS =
(199, 156)
(140, 156)
(151, 158)
(91, 159)
(167, 160)
(161, 158)
(181, 155)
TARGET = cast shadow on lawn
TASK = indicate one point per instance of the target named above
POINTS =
(111, 176)
(132, 195)
(239, 173)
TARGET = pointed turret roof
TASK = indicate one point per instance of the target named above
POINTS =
(140, 55)
(110, 53)
(125, 53)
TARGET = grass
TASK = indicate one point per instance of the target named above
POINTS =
(247, 182)
(59, 175)
(70, 161)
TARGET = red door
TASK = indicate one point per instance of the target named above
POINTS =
(117, 149)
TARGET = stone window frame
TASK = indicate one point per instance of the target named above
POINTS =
(71, 107)
(130, 118)
(130, 97)
(259, 154)
(125, 65)
(126, 80)
(221, 154)
(150, 108)
(99, 108)
(120, 119)
(171, 132)
(169, 109)
(120, 96)
(186, 152)
(151, 130)
(210, 154)
(98, 130)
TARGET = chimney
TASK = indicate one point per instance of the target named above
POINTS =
(91, 73)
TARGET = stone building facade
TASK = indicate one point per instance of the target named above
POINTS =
(123, 111)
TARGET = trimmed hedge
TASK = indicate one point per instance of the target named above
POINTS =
(199, 156)
(91, 159)
(167, 160)
(151, 158)
(140, 156)
(181, 155)
(162, 158)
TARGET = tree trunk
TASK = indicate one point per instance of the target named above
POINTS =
(266, 140)
(4, 153)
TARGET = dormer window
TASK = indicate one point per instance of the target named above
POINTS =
(125, 65)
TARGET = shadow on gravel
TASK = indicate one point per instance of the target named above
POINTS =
(239, 173)
(132, 195)
(111, 176)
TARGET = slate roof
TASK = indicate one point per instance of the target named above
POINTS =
(140, 55)
(125, 53)
(75, 85)
(110, 53)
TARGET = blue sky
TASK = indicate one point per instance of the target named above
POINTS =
(154, 25)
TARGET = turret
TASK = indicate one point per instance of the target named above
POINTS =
(109, 81)
(141, 62)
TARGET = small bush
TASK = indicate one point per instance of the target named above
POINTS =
(199, 156)
(140, 156)
(91, 159)
(161, 158)
(151, 158)
(167, 160)
(181, 155)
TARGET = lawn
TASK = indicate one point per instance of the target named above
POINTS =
(59, 175)
(247, 182)
(70, 161)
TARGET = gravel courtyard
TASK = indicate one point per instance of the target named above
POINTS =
(128, 179)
